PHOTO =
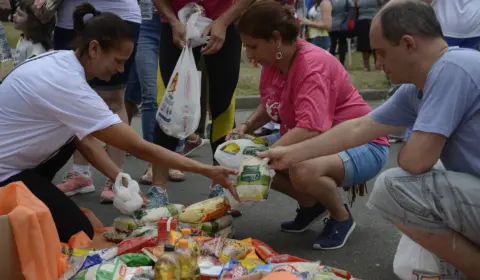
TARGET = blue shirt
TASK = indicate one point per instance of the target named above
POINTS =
(449, 105)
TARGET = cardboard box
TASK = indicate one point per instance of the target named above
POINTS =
(9, 260)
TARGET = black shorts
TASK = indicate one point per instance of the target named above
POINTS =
(63, 39)
(362, 29)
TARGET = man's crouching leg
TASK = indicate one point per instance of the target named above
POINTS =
(440, 210)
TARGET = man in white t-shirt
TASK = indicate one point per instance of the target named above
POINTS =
(460, 21)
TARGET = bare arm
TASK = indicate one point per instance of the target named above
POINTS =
(344, 136)
(92, 150)
(257, 119)
(125, 138)
(421, 152)
(294, 136)
(326, 22)
(165, 9)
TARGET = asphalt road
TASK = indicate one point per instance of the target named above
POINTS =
(368, 254)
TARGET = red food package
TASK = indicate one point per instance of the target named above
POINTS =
(341, 273)
(136, 244)
(214, 246)
(284, 258)
(165, 225)
(237, 271)
(263, 250)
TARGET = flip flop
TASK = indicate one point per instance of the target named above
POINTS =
(176, 175)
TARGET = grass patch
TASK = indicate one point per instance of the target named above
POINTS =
(250, 77)
(11, 33)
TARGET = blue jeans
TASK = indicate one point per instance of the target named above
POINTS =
(469, 43)
(363, 163)
(323, 42)
(142, 84)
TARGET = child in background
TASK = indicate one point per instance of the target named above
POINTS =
(36, 37)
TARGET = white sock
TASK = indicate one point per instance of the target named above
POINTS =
(83, 170)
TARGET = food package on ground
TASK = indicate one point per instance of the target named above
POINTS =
(212, 227)
(205, 211)
(152, 216)
(229, 154)
(147, 231)
(229, 232)
(213, 247)
(284, 258)
(263, 250)
(135, 260)
(140, 273)
(136, 244)
(255, 177)
(338, 272)
(114, 236)
(233, 269)
(92, 259)
(165, 226)
(251, 264)
(111, 270)
(253, 276)
(153, 253)
(233, 249)
(125, 223)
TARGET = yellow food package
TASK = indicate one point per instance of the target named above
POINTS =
(235, 249)
(251, 264)
(252, 256)
(205, 211)
(174, 236)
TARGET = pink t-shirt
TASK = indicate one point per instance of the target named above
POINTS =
(316, 93)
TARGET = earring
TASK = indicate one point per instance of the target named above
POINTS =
(279, 54)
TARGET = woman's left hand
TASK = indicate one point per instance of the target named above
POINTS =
(216, 30)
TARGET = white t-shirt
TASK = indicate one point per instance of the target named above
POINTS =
(43, 103)
(126, 9)
(26, 49)
(458, 18)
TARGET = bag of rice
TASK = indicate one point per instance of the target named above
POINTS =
(151, 216)
(255, 178)
(205, 211)
(230, 153)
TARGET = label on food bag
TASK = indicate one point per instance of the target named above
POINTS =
(252, 150)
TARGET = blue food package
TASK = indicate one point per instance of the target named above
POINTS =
(229, 266)
(263, 268)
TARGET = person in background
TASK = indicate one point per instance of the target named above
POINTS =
(436, 208)
(367, 9)
(79, 179)
(46, 115)
(338, 31)
(460, 21)
(308, 91)
(36, 38)
(222, 57)
(319, 22)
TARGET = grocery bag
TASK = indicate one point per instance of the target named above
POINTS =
(179, 112)
(35, 234)
(411, 256)
(127, 200)
(198, 24)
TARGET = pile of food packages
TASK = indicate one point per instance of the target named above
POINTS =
(195, 242)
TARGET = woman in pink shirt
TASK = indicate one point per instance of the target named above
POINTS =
(307, 91)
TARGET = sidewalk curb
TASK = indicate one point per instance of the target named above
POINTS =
(251, 102)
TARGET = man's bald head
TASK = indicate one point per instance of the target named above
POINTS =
(407, 17)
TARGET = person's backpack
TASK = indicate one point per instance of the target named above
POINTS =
(352, 17)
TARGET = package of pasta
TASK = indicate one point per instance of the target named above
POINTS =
(255, 178)
(205, 211)
(234, 249)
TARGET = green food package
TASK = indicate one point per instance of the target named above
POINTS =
(134, 260)
(255, 178)
(212, 227)
(124, 223)
(111, 270)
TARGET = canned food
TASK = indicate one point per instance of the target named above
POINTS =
(425, 275)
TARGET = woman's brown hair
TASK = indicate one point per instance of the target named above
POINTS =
(36, 31)
(264, 17)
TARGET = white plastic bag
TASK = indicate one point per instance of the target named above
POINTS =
(179, 112)
(127, 200)
(198, 23)
(411, 256)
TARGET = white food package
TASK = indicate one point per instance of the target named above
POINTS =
(127, 200)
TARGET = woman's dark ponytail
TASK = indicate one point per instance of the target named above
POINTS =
(106, 28)
(80, 12)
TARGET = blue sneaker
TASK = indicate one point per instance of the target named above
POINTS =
(305, 217)
(335, 234)
(215, 190)
(157, 197)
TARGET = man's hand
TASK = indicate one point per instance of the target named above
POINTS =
(216, 30)
(280, 158)
(179, 34)
(220, 175)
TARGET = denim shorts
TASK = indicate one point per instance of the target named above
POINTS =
(362, 163)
